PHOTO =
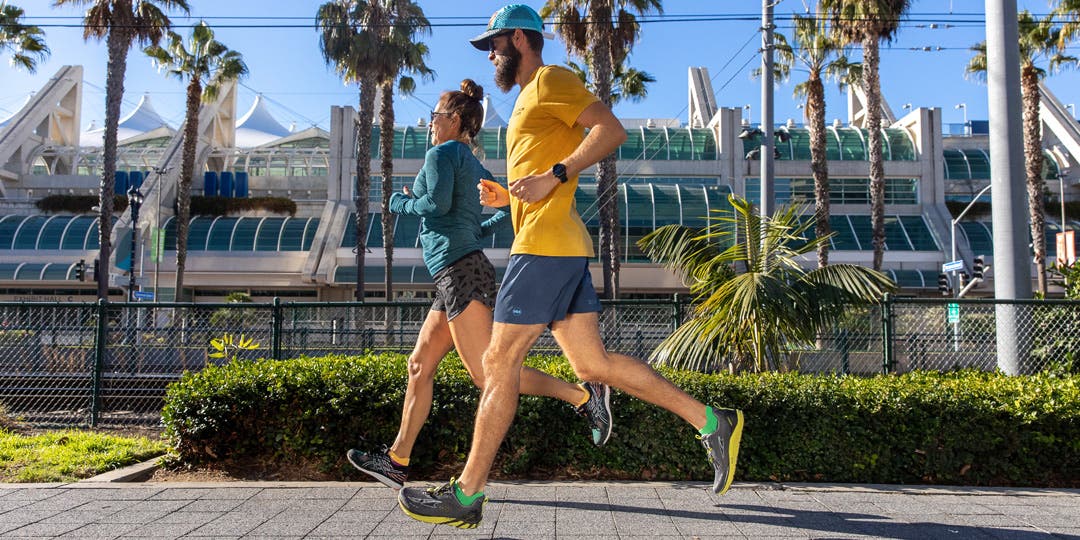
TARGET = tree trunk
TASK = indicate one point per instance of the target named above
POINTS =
(600, 35)
(872, 87)
(183, 187)
(363, 175)
(118, 43)
(1033, 166)
(819, 165)
(386, 152)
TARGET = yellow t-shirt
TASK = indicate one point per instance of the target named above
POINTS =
(543, 131)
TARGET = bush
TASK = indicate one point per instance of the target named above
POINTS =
(222, 206)
(969, 428)
(77, 204)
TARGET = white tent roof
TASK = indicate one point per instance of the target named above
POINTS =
(142, 120)
(491, 116)
(5, 121)
(258, 126)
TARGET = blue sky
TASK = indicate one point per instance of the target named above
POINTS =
(287, 68)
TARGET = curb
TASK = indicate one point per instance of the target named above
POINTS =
(132, 473)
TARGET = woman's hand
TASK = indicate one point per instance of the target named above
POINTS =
(406, 191)
(492, 194)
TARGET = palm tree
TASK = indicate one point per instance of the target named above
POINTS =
(206, 64)
(868, 22)
(27, 42)
(120, 23)
(602, 32)
(627, 82)
(349, 40)
(399, 53)
(754, 303)
(1039, 39)
(823, 58)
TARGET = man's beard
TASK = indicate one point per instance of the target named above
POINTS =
(506, 71)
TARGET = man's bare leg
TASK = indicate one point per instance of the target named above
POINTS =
(499, 400)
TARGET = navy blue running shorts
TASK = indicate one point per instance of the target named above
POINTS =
(542, 290)
(469, 278)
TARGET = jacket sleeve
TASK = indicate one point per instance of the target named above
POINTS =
(438, 173)
(491, 224)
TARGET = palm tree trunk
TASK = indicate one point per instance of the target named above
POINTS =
(118, 43)
(183, 188)
(872, 87)
(1033, 165)
(819, 165)
(363, 175)
(386, 152)
(607, 189)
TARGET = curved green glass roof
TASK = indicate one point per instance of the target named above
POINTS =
(974, 164)
(226, 233)
(841, 143)
(48, 232)
(37, 271)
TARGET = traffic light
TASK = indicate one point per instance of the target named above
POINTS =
(943, 285)
(80, 270)
(977, 268)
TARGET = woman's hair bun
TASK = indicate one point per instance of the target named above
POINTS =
(471, 89)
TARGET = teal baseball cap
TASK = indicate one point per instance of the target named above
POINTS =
(510, 17)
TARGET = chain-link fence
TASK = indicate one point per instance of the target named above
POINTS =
(85, 363)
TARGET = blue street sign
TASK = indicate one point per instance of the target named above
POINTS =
(143, 295)
(953, 266)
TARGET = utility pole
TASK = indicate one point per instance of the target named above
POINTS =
(1012, 260)
(768, 190)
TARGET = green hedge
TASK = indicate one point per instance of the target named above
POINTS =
(968, 428)
(77, 204)
(222, 206)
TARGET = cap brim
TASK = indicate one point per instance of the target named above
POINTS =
(483, 41)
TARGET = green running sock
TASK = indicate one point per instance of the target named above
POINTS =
(711, 423)
(464, 499)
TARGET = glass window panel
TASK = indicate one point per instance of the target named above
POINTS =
(52, 231)
(680, 144)
(633, 147)
(585, 200)
(851, 144)
(832, 144)
(415, 142)
(910, 279)
(979, 162)
(374, 237)
(978, 236)
(491, 140)
(639, 206)
(704, 143)
(695, 211)
(8, 225)
(956, 167)
(903, 147)
(667, 205)
(75, 237)
(632, 235)
(30, 271)
(919, 233)
(309, 233)
(895, 239)
(220, 234)
(292, 234)
(58, 271)
(655, 144)
(407, 232)
(901, 190)
(800, 143)
(269, 230)
(243, 238)
(27, 235)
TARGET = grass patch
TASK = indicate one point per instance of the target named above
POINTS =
(69, 455)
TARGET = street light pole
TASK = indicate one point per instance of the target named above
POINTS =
(952, 228)
(135, 200)
(963, 107)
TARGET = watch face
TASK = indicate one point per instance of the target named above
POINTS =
(559, 170)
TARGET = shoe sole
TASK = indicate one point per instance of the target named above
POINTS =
(438, 520)
(733, 454)
(611, 421)
(386, 480)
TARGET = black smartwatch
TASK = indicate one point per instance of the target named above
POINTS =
(559, 171)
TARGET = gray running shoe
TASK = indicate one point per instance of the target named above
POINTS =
(439, 505)
(723, 447)
(598, 411)
(379, 466)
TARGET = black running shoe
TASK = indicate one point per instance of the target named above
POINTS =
(598, 411)
(379, 466)
(723, 447)
(439, 505)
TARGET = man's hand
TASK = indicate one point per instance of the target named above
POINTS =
(493, 194)
(534, 188)
(406, 191)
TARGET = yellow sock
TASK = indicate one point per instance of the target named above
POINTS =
(585, 398)
(400, 460)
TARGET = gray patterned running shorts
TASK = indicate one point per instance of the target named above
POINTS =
(469, 278)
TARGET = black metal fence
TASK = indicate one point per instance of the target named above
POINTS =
(95, 363)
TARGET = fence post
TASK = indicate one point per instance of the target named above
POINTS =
(845, 350)
(99, 360)
(676, 313)
(887, 334)
(275, 338)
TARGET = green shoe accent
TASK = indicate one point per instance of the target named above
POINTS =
(462, 498)
(711, 423)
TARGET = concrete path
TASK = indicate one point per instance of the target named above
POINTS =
(537, 511)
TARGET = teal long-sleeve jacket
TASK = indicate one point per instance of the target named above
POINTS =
(444, 194)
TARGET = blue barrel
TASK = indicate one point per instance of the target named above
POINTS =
(135, 178)
(210, 183)
(241, 187)
(121, 183)
(225, 189)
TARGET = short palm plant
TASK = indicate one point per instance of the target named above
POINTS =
(753, 301)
